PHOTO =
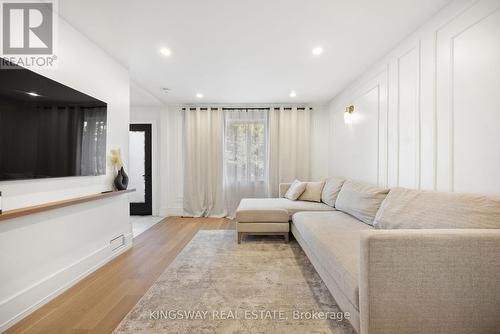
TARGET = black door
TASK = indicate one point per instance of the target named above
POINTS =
(141, 203)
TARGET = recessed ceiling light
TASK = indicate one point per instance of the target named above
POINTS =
(317, 51)
(199, 95)
(293, 93)
(165, 51)
(33, 94)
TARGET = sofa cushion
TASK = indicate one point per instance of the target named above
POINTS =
(360, 200)
(274, 209)
(295, 190)
(331, 190)
(312, 192)
(334, 238)
(413, 209)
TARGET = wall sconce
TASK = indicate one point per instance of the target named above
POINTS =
(348, 114)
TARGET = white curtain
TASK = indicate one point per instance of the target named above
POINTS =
(245, 159)
(289, 146)
(203, 162)
(233, 154)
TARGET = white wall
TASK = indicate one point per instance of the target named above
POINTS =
(428, 115)
(43, 254)
(320, 142)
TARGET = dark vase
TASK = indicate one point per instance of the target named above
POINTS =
(121, 180)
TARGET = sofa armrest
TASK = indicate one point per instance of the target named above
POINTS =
(283, 189)
(430, 281)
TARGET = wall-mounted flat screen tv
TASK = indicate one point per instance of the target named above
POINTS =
(48, 129)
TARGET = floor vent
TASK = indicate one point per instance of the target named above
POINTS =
(117, 242)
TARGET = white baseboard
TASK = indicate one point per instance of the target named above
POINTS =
(163, 212)
(171, 211)
(25, 302)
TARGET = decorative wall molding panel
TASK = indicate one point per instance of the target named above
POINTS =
(468, 68)
(359, 149)
(429, 111)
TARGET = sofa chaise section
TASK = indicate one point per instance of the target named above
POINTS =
(269, 209)
(271, 215)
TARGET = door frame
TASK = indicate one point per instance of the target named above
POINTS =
(146, 209)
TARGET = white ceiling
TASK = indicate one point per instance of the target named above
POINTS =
(141, 97)
(242, 51)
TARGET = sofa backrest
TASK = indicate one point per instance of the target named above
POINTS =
(360, 200)
(412, 209)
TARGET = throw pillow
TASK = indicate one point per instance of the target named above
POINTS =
(312, 192)
(295, 190)
(360, 200)
(331, 191)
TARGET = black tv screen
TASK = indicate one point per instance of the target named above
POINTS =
(48, 129)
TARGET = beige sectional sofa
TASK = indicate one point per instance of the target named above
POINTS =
(399, 261)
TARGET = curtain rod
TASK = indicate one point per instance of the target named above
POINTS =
(236, 108)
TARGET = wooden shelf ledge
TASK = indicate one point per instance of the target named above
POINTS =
(30, 210)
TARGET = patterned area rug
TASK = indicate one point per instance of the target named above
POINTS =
(217, 286)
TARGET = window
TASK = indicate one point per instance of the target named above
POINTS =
(246, 146)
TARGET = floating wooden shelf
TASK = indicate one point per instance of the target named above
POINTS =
(10, 214)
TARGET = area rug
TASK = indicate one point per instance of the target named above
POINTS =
(218, 286)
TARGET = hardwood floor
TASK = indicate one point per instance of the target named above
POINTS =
(99, 302)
